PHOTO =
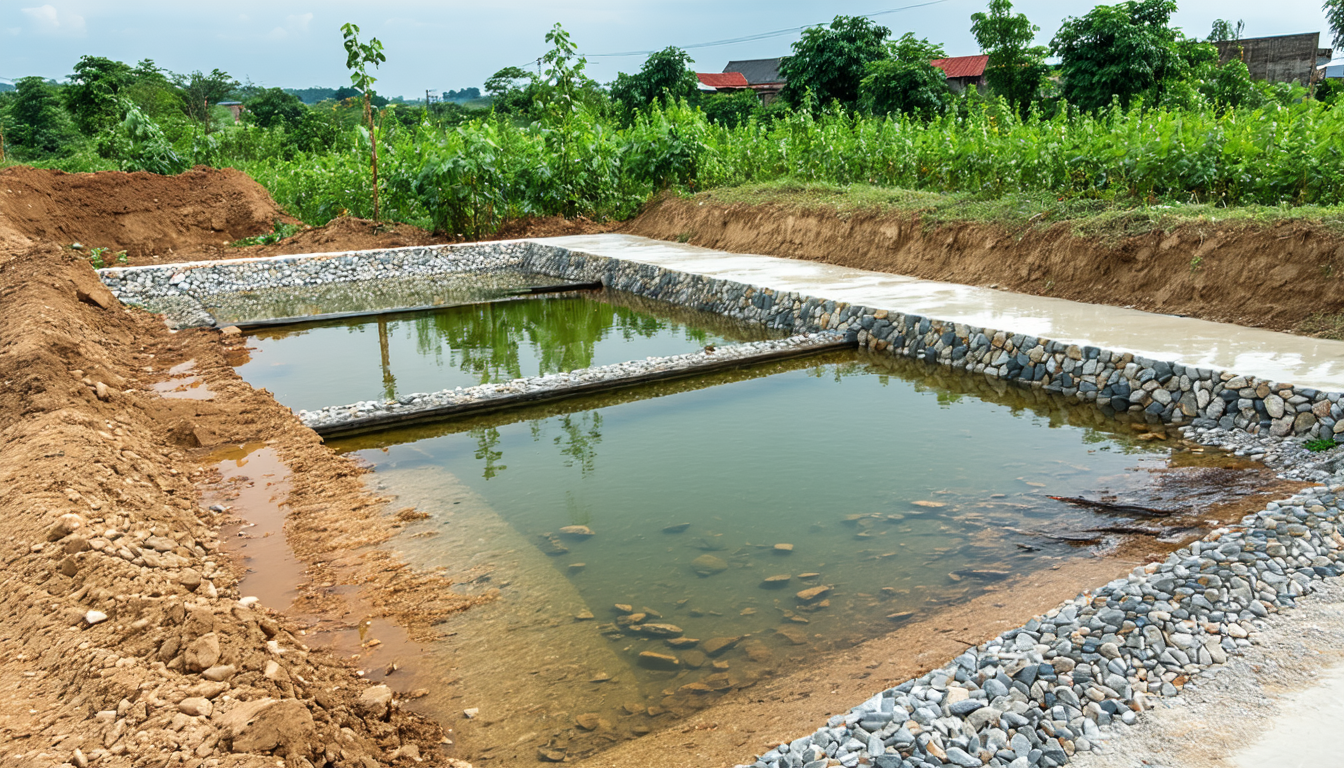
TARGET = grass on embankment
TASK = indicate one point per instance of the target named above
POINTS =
(1018, 212)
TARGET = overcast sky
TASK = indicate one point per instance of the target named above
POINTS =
(451, 44)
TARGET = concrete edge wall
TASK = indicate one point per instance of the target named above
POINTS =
(1117, 382)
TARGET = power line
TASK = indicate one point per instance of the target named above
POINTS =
(746, 39)
(762, 35)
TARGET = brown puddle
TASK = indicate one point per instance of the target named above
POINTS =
(252, 487)
(182, 384)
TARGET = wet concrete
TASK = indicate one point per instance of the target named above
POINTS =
(1275, 356)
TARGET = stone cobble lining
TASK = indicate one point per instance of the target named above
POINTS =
(184, 291)
(558, 382)
(1115, 381)
(1036, 695)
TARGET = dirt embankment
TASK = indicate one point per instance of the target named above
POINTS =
(1274, 277)
(122, 638)
(197, 216)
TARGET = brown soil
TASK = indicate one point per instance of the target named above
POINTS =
(195, 216)
(1258, 276)
(88, 443)
(140, 213)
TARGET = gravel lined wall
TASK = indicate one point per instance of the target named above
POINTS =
(1117, 381)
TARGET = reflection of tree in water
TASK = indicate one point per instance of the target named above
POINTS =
(582, 433)
(484, 340)
(487, 449)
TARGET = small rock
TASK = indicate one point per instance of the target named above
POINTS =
(718, 645)
(219, 673)
(678, 528)
(576, 531)
(94, 617)
(708, 565)
(776, 582)
(813, 594)
(471, 712)
(653, 660)
(195, 706)
(375, 701)
(783, 549)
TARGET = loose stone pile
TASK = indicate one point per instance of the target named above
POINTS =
(1038, 694)
(367, 410)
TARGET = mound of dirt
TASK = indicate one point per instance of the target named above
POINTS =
(140, 213)
(1274, 277)
(123, 640)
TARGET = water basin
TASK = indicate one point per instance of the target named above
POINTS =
(336, 362)
(653, 553)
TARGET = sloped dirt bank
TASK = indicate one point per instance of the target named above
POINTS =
(140, 213)
(1273, 277)
(122, 637)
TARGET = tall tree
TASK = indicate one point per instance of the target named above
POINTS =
(200, 92)
(906, 82)
(830, 62)
(93, 93)
(1016, 68)
(38, 123)
(1120, 51)
(666, 75)
(359, 57)
(1225, 30)
(272, 107)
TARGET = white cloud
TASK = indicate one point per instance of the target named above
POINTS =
(296, 25)
(49, 20)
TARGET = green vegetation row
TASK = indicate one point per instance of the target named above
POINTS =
(1179, 128)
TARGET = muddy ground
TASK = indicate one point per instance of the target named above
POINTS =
(123, 641)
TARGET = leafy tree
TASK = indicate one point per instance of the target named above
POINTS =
(94, 92)
(152, 91)
(359, 56)
(730, 109)
(831, 61)
(38, 123)
(512, 91)
(466, 94)
(274, 107)
(1122, 51)
(906, 82)
(199, 92)
(1225, 30)
(1016, 68)
(1230, 87)
(345, 93)
(1334, 15)
(563, 107)
(665, 76)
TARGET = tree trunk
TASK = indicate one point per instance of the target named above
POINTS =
(373, 157)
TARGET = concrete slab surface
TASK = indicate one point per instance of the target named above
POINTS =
(1266, 354)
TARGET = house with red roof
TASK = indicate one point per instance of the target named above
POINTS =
(963, 71)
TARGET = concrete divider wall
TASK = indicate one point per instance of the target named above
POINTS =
(1115, 381)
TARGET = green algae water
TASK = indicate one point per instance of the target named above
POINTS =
(336, 362)
(651, 553)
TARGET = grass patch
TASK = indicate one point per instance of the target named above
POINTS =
(1323, 326)
(280, 231)
(1320, 445)
(1107, 219)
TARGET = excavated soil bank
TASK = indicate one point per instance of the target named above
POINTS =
(1273, 277)
(122, 634)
